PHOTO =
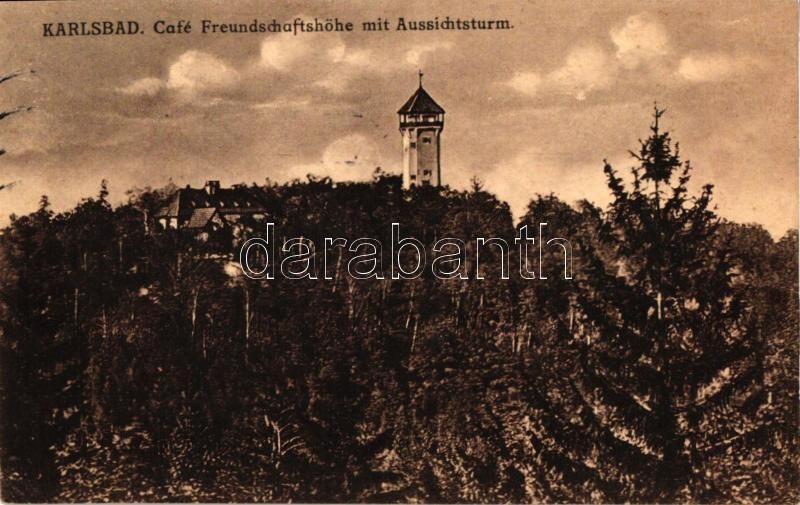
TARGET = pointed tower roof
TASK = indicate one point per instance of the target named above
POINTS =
(421, 103)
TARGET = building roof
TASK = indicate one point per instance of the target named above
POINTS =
(200, 217)
(186, 201)
(421, 103)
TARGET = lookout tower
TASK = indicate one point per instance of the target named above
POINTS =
(421, 124)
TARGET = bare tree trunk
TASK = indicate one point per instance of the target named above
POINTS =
(336, 275)
(246, 314)
(381, 309)
(410, 306)
(75, 306)
(458, 310)
(571, 319)
(351, 309)
(479, 313)
(658, 302)
(414, 335)
(194, 311)
(246, 324)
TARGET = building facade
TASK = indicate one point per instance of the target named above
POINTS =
(211, 207)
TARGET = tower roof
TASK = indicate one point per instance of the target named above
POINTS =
(421, 103)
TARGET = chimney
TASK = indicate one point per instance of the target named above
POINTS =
(212, 187)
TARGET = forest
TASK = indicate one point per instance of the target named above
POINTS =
(139, 364)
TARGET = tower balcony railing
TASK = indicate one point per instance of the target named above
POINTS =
(421, 120)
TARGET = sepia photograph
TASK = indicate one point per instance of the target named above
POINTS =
(432, 251)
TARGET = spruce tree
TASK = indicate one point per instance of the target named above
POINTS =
(669, 364)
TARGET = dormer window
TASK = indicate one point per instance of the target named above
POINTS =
(212, 187)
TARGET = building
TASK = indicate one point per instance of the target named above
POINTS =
(211, 207)
(421, 124)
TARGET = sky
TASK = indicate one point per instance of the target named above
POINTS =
(534, 109)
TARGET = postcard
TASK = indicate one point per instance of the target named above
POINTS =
(433, 251)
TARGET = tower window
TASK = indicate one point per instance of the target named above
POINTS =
(426, 172)
(426, 140)
(413, 144)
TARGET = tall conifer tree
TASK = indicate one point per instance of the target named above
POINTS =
(669, 364)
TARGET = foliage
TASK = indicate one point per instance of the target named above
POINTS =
(138, 366)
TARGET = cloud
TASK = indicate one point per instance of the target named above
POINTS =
(527, 83)
(345, 63)
(197, 71)
(342, 64)
(711, 67)
(340, 53)
(282, 51)
(639, 40)
(585, 69)
(417, 54)
(281, 103)
(335, 83)
(324, 62)
(147, 86)
(328, 63)
(588, 67)
(349, 158)
(192, 72)
(521, 177)
(349, 62)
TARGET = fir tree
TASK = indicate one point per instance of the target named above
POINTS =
(669, 362)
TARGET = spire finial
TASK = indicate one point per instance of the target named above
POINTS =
(420, 77)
